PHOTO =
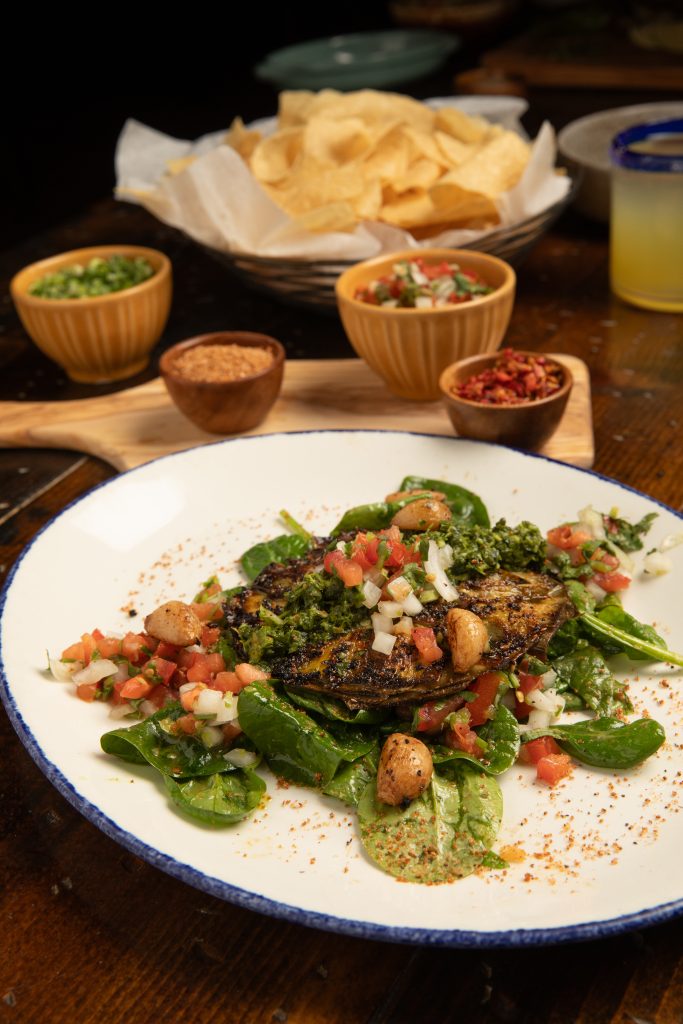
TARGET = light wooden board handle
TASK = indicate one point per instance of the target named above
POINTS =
(131, 427)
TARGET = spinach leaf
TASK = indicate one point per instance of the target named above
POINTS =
(606, 742)
(375, 516)
(280, 549)
(464, 504)
(335, 710)
(501, 735)
(151, 742)
(441, 836)
(294, 744)
(351, 779)
(218, 799)
(584, 671)
(627, 535)
(616, 630)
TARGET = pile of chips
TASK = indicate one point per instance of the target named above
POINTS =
(337, 159)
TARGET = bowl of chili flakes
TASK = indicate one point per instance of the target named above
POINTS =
(509, 397)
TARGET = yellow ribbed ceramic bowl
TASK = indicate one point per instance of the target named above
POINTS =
(409, 348)
(104, 338)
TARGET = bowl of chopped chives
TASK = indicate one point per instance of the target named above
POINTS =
(225, 382)
(99, 311)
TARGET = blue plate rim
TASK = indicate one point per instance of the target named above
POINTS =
(457, 938)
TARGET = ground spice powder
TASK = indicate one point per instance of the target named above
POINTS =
(217, 364)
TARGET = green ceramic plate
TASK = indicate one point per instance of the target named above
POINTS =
(361, 60)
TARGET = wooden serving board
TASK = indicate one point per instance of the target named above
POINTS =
(134, 426)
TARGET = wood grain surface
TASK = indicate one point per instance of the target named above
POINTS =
(133, 426)
(92, 934)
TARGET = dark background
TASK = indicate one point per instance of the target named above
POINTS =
(71, 77)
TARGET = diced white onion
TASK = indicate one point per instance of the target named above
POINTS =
(228, 709)
(241, 758)
(208, 702)
(593, 521)
(625, 560)
(341, 546)
(404, 626)
(392, 609)
(595, 590)
(383, 642)
(546, 700)
(548, 679)
(64, 671)
(211, 736)
(537, 720)
(371, 594)
(423, 302)
(120, 710)
(412, 605)
(446, 558)
(95, 671)
(147, 708)
(121, 673)
(672, 541)
(399, 588)
(656, 564)
(436, 575)
(381, 623)
(185, 687)
(377, 577)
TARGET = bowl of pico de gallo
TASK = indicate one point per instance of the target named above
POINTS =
(411, 314)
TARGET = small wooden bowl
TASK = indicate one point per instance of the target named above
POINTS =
(225, 407)
(528, 425)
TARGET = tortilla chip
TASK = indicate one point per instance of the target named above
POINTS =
(243, 140)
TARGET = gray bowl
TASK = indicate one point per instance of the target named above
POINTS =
(585, 144)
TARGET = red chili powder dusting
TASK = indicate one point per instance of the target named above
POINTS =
(217, 364)
(513, 379)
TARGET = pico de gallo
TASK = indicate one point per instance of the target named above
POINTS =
(416, 284)
(201, 684)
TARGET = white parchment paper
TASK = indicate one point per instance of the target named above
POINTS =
(217, 201)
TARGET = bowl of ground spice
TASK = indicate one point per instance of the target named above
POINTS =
(225, 382)
(511, 397)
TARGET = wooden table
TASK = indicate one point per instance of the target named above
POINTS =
(92, 934)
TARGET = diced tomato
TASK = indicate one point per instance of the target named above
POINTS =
(611, 581)
(135, 688)
(89, 647)
(188, 697)
(109, 646)
(349, 572)
(204, 666)
(116, 697)
(87, 691)
(425, 641)
(461, 737)
(527, 684)
(544, 746)
(431, 716)
(169, 652)
(227, 682)
(158, 696)
(186, 724)
(185, 658)
(364, 551)
(207, 611)
(486, 688)
(247, 673)
(158, 670)
(74, 652)
(432, 270)
(554, 767)
(567, 537)
(135, 648)
(210, 635)
(231, 730)
(400, 555)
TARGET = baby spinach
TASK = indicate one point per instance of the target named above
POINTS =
(335, 710)
(619, 631)
(501, 736)
(279, 549)
(627, 535)
(442, 835)
(584, 671)
(464, 504)
(218, 799)
(151, 742)
(350, 780)
(607, 742)
(294, 744)
(375, 516)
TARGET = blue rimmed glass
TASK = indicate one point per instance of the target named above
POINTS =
(646, 229)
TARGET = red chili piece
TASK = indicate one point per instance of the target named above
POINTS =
(513, 380)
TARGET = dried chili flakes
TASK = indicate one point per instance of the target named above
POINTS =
(514, 378)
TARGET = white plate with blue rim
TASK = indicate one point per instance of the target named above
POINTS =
(596, 855)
